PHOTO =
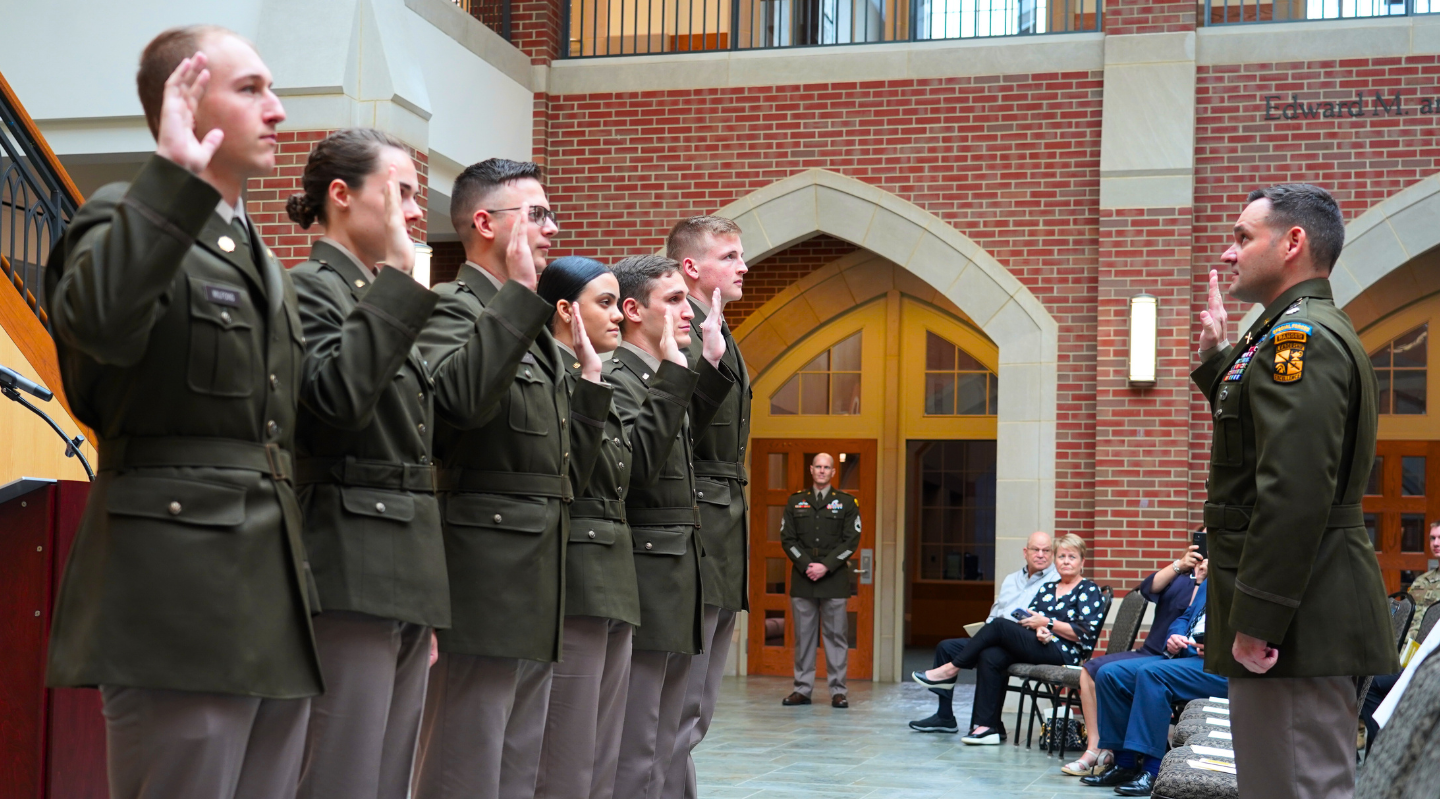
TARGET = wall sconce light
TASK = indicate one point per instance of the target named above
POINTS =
(1144, 317)
(421, 274)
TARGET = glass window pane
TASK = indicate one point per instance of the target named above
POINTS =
(1381, 358)
(931, 565)
(970, 394)
(1372, 528)
(1409, 391)
(776, 514)
(814, 393)
(849, 471)
(845, 394)
(775, 569)
(774, 628)
(1376, 473)
(939, 353)
(1412, 532)
(777, 463)
(820, 364)
(845, 356)
(1412, 476)
(965, 363)
(994, 407)
(1409, 349)
(939, 393)
(1383, 399)
(786, 401)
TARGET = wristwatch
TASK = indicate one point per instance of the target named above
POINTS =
(1050, 625)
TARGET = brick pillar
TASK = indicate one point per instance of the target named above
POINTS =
(265, 198)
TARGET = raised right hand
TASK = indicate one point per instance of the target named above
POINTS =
(519, 258)
(669, 350)
(176, 140)
(1214, 318)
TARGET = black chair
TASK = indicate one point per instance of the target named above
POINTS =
(1402, 610)
(1427, 622)
(1060, 685)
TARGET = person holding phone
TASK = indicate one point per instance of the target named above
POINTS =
(1059, 628)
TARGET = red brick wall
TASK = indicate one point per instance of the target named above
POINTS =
(1143, 506)
(770, 276)
(265, 198)
(1012, 162)
(535, 29)
(1149, 16)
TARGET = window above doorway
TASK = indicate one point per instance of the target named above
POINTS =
(956, 384)
(1401, 366)
(828, 385)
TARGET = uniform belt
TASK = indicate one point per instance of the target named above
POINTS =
(370, 474)
(1236, 518)
(661, 517)
(522, 484)
(595, 508)
(735, 471)
(133, 452)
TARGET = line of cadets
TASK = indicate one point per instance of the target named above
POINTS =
(357, 538)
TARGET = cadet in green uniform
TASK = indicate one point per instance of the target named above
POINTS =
(1297, 606)
(712, 260)
(820, 531)
(367, 483)
(186, 597)
(653, 394)
(602, 600)
(505, 477)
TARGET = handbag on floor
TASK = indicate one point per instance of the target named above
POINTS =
(1073, 729)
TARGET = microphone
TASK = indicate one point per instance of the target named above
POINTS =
(11, 380)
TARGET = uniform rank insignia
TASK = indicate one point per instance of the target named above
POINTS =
(1290, 341)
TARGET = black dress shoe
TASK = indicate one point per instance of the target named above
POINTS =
(1112, 777)
(1140, 786)
(795, 698)
(839, 701)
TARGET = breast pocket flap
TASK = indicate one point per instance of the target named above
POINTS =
(184, 501)
(655, 541)
(391, 505)
(516, 514)
(592, 531)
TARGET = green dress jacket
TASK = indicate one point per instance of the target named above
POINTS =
(180, 344)
(1294, 404)
(504, 476)
(366, 482)
(720, 477)
(827, 531)
(599, 568)
(660, 502)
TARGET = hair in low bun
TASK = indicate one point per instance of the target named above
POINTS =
(349, 155)
(299, 210)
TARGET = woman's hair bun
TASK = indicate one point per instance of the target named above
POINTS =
(300, 211)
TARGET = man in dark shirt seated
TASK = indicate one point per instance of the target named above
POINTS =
(1135, 698)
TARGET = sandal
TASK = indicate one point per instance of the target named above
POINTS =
(1083, 767)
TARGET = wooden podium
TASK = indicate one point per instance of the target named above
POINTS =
(52, 742)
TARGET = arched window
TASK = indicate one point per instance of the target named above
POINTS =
(1400, 366)
(828, 385)
(955, 383)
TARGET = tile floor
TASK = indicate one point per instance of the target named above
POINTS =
(759, 749)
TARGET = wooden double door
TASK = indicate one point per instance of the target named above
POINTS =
(779, 468)
(1401, 501)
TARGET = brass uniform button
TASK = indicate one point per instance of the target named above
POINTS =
(649, 545)
(591, 533)
(274, 383)
(174, 508)
(498, 518)
(225, 317)
(359, 284)
(422, 428)
(272, 428)
(380, 507)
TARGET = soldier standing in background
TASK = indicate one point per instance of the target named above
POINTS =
(820, 531)
(505, 476)
(653, 394)
(1297, 605)
(712, 260)
(186, 598)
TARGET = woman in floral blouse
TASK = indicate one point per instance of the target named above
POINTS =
(1065, 619)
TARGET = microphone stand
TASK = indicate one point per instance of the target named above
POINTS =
(72, 446)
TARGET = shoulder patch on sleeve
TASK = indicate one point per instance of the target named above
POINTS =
(1290, 341)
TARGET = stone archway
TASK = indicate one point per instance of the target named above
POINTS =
(819, 201)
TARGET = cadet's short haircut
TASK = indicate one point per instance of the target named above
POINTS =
(1313, 210)
(479, 181)
(688, 235)
(160, 58)
(638, 274)
(1071, 542)
(348, 155)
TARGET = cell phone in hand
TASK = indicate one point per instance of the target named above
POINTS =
(1020, 614)
(1198, 539)
(1198, 637)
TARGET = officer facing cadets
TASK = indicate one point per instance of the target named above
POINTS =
(820, 531)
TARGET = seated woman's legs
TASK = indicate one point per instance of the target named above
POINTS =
(944, 718)
(1008, 643)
